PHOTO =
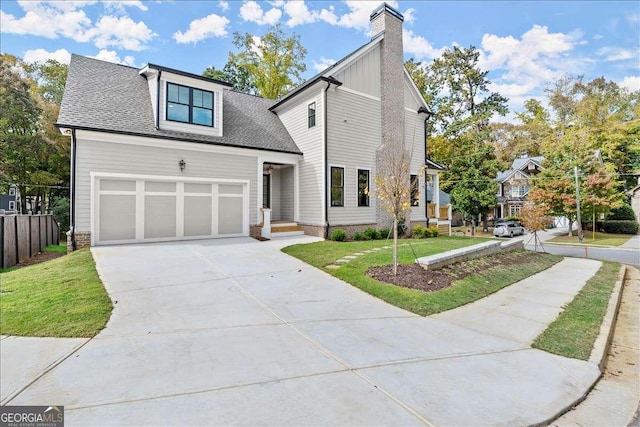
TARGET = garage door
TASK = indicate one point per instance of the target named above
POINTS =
(130, 208)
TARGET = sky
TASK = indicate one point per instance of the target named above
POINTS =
(524, 45)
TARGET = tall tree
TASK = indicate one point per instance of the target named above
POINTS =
(457, 91)
(272, 64)
(22, 144)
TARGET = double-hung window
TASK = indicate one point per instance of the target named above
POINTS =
(337, 186)
(189, 105)
(415, 191)
(363, 187)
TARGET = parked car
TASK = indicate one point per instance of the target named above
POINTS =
(508, 229)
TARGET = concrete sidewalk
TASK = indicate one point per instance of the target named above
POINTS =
(234, 332)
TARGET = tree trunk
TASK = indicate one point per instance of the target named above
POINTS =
(395, 246)
(570, 228)
(485, 225)
(473, 225)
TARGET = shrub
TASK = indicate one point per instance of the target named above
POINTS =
(625, 212)
(620, 227)
(371, 234)
(512, 218)
(60, 209)
(359, 236)
(418, 232)
(338, 235)
(384, 233)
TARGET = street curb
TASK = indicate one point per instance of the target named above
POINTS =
(585, 245)
(603, 342)
(600, 346)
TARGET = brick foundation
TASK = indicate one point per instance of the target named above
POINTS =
(255, 231)
(313, 230)
(83, 240)
(352, 229)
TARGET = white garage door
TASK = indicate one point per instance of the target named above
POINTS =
(130, 208)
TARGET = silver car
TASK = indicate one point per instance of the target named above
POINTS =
(508, 229)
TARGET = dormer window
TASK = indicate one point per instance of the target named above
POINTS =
(189, 105)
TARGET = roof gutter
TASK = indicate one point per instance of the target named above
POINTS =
(304, 86)
(327, 194)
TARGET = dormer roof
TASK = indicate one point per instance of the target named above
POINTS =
(115, 98)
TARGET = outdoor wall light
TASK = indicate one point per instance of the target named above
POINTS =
(182, 165)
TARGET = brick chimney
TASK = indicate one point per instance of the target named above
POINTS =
(388, 20)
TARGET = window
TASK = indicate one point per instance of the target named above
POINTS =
(12, 191)
(363, 187)
(415, 190)
(337, 186)
(189, 105)
(312, 114)
(12, 205)
(519, 190)
(514, 210)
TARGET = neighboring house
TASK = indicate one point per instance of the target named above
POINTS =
(161, 154)
(10, 202)
(514, 185)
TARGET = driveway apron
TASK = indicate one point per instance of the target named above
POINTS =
(234, 332)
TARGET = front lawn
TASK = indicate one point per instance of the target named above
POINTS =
(63, 297)
(588, 238)
(461, 292)
(573, 333)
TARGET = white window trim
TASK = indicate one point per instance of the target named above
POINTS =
(344, 181)
(358, 187)
(12, 205)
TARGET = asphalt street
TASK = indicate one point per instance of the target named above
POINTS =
(624, 256)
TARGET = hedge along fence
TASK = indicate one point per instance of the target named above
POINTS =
(23, 236)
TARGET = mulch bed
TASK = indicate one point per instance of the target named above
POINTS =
(40, 257)
(415, 277)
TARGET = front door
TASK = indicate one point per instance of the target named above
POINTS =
(266, 191)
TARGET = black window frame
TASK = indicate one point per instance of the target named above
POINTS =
(336, 187)
(311, 115)
(190, 105)
(363, 193)
(414, 182)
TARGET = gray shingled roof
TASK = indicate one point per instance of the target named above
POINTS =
(518, 164)
(111, 97)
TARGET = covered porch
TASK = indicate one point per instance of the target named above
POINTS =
(278, 199)
(439, 212)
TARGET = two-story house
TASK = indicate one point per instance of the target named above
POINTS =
(10, 202)
(514, 185)
(161, 154)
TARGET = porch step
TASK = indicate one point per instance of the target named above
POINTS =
(285, 229)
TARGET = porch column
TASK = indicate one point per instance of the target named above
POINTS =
(436, 194)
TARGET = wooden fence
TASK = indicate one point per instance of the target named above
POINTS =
(23, 236)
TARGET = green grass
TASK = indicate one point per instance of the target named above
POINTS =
(56, 248)
(460, 293)
(573, 333)
(600, 238)
(59, 298)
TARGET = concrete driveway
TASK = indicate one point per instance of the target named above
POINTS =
(234, 332)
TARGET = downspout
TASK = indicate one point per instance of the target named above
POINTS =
(327, 193)
(158, 100)
(72, 220)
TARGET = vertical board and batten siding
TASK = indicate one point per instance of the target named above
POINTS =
(116, 157)
(217, 90)
(359, 76)
(414, 138)
(354, 135)
(286, 193)
(311, 167)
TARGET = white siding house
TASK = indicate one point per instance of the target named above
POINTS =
(162, 154)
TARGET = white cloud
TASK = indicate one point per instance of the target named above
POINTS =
(122, 33)
(359, 12)
(224, 5)
(121, 5)
(112, 56)
(419, 47)
(203, 28)
(53, 19)
(299, 13)
(408, 15)
(613, 53)
(40, 55)
(323, 64)
(631, 82)
(252, 12)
